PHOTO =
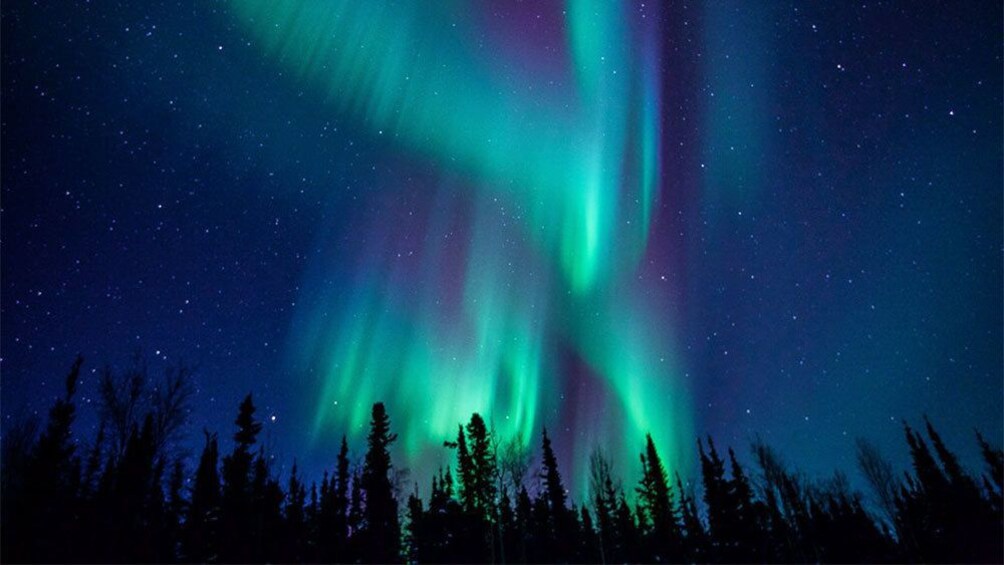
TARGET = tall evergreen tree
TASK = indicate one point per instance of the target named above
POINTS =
(476, 469)
(177, 505)
(716, 500)
(381, 535)
(627, 532)
(695, 543)
(484, 464)
(417, 538)
(295, 542)
(238, 520)
(589, 550)
(604, 497)
(748, 517)
(340, 509)
(266, 511)
(311, 515)
(332, 515)
(524, 518)
(200, 533)
(357, 519)
(560, 524)
(553, 488)
(43, 511)
(135, 497)
(662, 529)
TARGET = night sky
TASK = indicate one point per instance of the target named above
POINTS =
(727, 218)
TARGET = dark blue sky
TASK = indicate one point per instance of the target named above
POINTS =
(830, 217)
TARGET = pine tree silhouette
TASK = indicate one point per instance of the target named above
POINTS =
(40, 508)
(177, 507)
(200, 533)
(133, 501)
(661, 529)
(296, 533)
(237, 507)
(381, 531)
(558, 521)
(695, 543)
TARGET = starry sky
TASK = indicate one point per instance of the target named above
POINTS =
(610, 219)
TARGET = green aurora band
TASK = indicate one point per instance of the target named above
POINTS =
(560, 180)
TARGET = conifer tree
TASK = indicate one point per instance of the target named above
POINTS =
(237, 515)
(476, 464)
(589, 550)
(716, 501)
(695, 543)
(295, 519)
(357, 519)
(553, 488)
(177, 505)
(381, 535)
(417, 538)
(560, 520)
(604, 497)
(748, 513)
(655, 498)
(476, 470)
(43, 512)
(524, 519)
(311, 515)
(627, 532)
(200, 533)
(340, 508)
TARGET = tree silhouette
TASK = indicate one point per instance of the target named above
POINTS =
(104, 499)
(381, 531)
(296, 533)
(604, 498)
(695, 542)
(661, 529)
(237, 509)
(41, 507)
(200, 533)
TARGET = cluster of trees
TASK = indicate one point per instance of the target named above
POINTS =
(126, 496)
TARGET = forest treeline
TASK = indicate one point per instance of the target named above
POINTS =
(127, 495)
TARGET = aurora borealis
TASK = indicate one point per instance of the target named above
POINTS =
(551, 201)
(606, 218)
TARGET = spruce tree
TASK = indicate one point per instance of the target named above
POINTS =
(200, 533)
(238, 507)
(416, 538)
(43, 513)
(476, 470)
(561, 520)
(382, 532)
(716, 501)
(748, 516)
(483, 468)
(655, 497)
(340, 506)
(357, 520)
(465, 473)
(695, 536)
(177, 505)
(295, 519)
(604, 497)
